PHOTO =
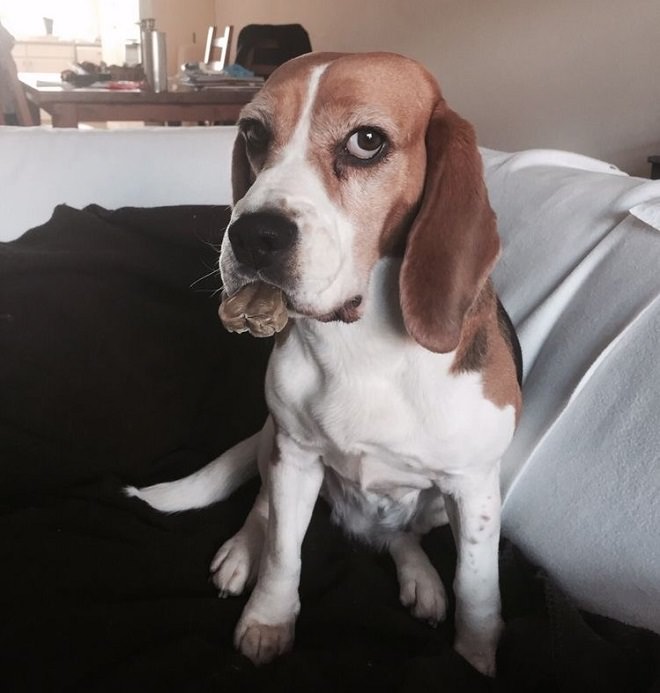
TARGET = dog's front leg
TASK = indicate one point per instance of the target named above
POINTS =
(266, 627)
(473, 506)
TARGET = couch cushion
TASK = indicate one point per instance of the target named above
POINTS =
(112, 357)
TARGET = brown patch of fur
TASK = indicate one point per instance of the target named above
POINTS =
(392, 241)
(484, 346)
(499, 375)
(242, 175)
(477, 351)
(472, 349)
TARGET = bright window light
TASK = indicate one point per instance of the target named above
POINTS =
(72, 19)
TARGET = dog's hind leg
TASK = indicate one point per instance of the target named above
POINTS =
(236, 563)
(420, 586)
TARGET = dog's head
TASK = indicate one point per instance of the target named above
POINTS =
(342, 160)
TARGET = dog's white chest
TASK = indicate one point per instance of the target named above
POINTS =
(384, 413)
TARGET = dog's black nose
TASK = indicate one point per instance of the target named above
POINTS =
(259, 239)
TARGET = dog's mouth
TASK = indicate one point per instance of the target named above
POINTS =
(347, 312)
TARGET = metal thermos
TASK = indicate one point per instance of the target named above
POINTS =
(147, 27)
(158, 61)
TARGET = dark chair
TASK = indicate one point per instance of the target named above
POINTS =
(263, 47)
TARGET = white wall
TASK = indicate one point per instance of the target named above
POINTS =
(582, 75)
(185, 25)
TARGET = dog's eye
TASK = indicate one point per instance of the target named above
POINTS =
(256, 135)
(365, 143)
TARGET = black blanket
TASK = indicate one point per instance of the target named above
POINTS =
(114, 369)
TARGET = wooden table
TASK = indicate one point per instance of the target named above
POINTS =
(68, 106)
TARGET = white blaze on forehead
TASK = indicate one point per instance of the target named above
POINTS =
(289, 182)
(297, 145)
(292, 184)
(295, 148)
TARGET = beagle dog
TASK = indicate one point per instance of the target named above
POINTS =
(395, 387)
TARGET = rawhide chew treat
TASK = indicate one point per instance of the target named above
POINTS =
(256, 308)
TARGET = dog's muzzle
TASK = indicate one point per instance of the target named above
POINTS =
(262, 240)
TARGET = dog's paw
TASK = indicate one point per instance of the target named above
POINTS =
(234, 566)
(261, 642)
(267, 625)
(422, 591)
(480, 649)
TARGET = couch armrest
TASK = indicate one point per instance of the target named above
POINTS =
(579, 276)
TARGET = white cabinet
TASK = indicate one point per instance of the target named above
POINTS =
(52, 55)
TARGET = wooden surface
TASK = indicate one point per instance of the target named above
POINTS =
(68, 106)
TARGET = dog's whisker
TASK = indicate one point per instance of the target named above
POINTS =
(215, 271)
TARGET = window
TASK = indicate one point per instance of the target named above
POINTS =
(72, 19)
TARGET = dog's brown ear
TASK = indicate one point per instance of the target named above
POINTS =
(452, 244)
(241, 171)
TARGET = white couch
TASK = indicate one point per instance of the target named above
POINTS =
(580, 277)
